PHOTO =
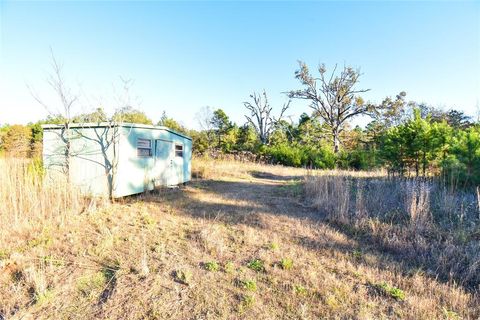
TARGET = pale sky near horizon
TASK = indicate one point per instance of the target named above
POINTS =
(186, 55)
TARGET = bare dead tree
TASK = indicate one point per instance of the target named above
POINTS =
(106, 136)
(261, 117)
(112, 133)
(204, 118)
(123, 97)
(68, 101)
(333, 98)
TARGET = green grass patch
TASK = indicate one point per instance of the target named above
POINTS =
(229, 267)
(250, 285)
(389, 291)
(246, 302)
(273, 246)
(286, 263)
(90, 286)
(256, 265)
(300, 290)
(211, 266)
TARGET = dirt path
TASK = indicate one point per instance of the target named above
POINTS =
(233, 200)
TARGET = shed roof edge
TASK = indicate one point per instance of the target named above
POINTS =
(109, 124)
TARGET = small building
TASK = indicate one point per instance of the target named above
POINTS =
(116, 159)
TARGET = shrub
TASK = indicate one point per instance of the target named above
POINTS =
(301, 156)
(355, 159)
(319, 158)
(285, 154)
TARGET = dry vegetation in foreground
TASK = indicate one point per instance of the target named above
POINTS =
(422, 223)
(241, 241)
(26, 198)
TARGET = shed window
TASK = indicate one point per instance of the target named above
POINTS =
(144, 148)
(179, 150)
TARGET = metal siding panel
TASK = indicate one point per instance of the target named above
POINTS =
(133, 171)
(92, 160)
(53, 152)
(90, 157)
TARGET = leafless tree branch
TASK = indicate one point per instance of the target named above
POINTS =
(261, 117)
(334, 98)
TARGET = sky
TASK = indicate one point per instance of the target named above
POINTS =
(182, 56)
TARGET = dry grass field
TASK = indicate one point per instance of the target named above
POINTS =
(241, 241)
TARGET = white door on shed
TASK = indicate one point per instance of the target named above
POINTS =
(178, 164)
(163, 168)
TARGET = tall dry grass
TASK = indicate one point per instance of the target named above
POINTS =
(146, 257)
(424, 223)
(27, 197)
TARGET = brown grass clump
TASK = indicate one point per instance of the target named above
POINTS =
(27, 198)
(246, 243)
(422, 222)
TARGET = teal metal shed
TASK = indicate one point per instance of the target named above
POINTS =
(116, 159)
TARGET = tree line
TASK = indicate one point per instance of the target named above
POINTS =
(405, 137)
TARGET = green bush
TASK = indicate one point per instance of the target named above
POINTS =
(462, 165)
(319, 158)
(285, 154)
(301, 156)
(355, 159)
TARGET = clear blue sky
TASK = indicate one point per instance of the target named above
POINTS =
(187, 55)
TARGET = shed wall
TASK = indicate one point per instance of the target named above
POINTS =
(137, 174)
(91, 156)
(106, 158)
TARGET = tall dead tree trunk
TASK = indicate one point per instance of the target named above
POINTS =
(260, 116)
(336, 140)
